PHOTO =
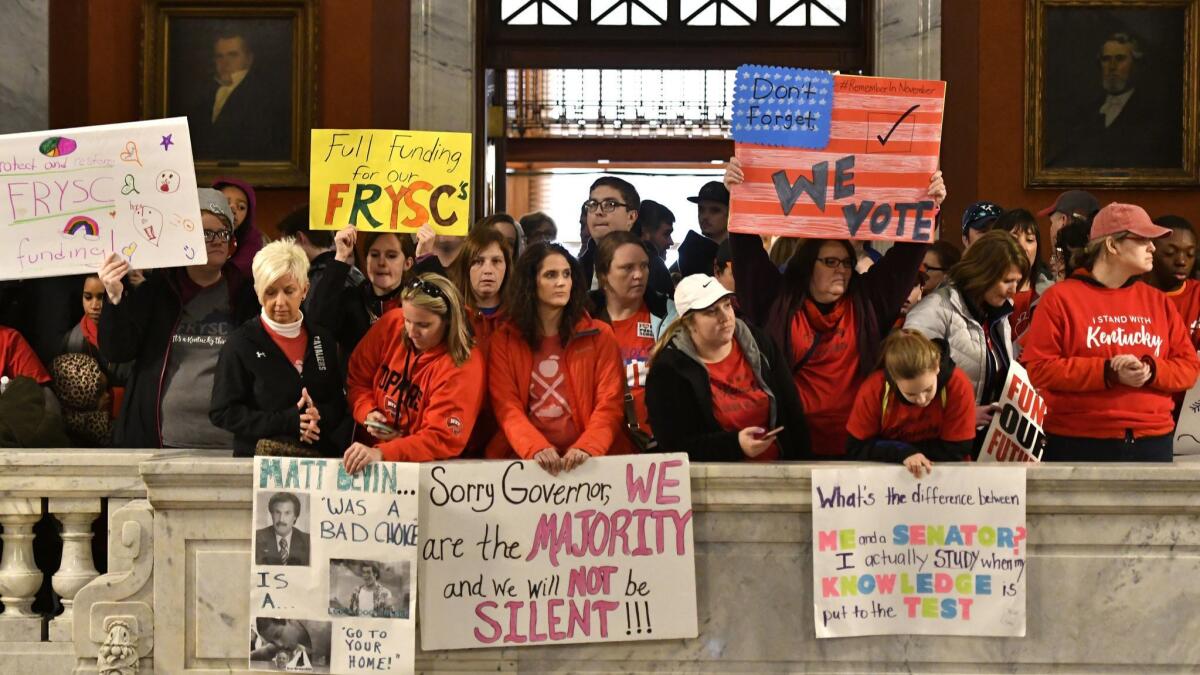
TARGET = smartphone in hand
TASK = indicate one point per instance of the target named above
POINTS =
(379, 426)
(767, 435)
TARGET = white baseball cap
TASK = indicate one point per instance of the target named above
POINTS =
(698, 291)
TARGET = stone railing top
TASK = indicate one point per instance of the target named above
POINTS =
(207, 480)
(73, 473)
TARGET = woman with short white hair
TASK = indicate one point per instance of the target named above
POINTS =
(278, 385)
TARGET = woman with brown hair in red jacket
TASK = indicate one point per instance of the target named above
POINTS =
(555, 379)
(416, 380)
(1107, 351)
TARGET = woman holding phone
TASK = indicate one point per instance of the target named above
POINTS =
(415, 381)
(719, 389)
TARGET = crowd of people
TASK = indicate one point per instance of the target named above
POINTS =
(386, 346)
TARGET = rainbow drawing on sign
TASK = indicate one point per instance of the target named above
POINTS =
(82, 224)
(57, 146)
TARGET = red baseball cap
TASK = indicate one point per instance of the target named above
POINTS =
(1116, 218)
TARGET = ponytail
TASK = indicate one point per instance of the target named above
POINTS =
(667, 335)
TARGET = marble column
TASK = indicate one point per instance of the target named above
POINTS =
(24, 65)
(442, 70)
(77, 567)
(20, 578)
(908, 38)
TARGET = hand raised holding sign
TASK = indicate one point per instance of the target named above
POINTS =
(735, 176)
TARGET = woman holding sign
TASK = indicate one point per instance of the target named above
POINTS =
(354, 309)
(415, 382)
(917, 409)
(829, 319)
(173, 327)
(1107, 353)
(718, 389)
(638, 315)
(555, 376)
(970, 312)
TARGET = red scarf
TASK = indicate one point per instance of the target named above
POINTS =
(89, 331)
(823, 323)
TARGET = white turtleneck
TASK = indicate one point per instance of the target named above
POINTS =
(287, 330)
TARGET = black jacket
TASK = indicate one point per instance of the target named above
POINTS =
(316, 271)
(256, 390)
(350, 309)
(139, 329)
(935, 449)
(679, 398)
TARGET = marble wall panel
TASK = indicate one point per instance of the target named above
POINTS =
(24, 65)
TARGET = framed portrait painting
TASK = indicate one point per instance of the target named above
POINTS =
(1110, 94)
(243, 72)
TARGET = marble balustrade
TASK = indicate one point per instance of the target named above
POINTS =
(1114, 558)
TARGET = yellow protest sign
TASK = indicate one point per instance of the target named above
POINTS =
(390, 181)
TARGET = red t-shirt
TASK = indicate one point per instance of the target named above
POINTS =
(17, 358)
(635, 336)
(1187, 301)
(829, 379)
(292, 348)
(549, 408)
(1022, 314)
(951, 419)
(738, 401)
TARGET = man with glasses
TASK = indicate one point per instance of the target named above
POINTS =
(613, 205)
(173, 327)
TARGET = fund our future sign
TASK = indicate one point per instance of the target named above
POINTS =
(390, 181)
(944, 555)
(1015, 434)
(835, 156)
(69, 198)
(511, 556)
(333, 567)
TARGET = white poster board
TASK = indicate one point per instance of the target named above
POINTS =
(944, 555)
(70, 197)
(1015, 434)
(341, 596)
(512, 556)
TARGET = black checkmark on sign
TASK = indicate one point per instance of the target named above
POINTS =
(884, 139)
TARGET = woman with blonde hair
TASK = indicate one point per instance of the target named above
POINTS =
(970, 313)
(278, 385)
(719, 389)
(416, 380)
(1107, 352)
(917, 409)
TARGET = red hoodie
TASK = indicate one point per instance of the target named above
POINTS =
(434, 413)
(1078, 327)
(595, 391)
(1187, 301)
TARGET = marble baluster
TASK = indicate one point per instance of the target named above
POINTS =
(20, 577)
(77, 567)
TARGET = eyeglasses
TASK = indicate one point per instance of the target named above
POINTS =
(605, 206)
(931, 268)
(834, 263)
(428, 288)
(217, 235)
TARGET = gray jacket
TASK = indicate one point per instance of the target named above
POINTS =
(944, 314)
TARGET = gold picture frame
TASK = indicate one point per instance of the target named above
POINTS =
(244, 73)
(1110, 93)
